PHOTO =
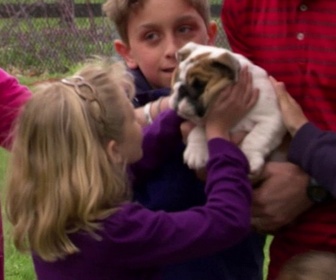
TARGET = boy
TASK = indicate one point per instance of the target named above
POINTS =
(151, 32)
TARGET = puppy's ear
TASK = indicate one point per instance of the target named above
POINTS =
(182, 54)
(228, 60)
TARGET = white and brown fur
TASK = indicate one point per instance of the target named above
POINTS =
(203, 72)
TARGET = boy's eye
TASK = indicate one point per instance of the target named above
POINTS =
(184, 29)
(151, 36)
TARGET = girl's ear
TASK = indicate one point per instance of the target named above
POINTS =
(212, 33)
(112, 150)
(124, 51)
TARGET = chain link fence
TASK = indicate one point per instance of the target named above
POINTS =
(51, 36)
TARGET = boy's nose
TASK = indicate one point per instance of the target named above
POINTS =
(172, 45)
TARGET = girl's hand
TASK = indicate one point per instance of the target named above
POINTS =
(230, 106)
(292, 113)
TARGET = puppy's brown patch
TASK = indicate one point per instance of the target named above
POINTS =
(213, 73)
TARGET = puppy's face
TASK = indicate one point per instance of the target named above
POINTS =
(203, 72)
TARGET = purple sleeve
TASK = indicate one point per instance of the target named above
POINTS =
(12, 97)
(160, 138)
(315, 151)
(144, 238)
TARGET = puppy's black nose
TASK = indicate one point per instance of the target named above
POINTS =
(182, 92)
(192, 95)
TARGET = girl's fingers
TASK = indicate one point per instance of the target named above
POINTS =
(246, 89)
(243, 79)
(253, 97)
(225, 94)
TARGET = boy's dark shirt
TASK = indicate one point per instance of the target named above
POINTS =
(174, 187)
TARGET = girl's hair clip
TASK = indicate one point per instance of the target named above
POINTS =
(78, 81)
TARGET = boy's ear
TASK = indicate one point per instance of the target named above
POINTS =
(212, 33)
(124, 51)
(112, 151)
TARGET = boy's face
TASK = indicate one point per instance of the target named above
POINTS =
(156, 32)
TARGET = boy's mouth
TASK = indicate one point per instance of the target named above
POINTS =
(168, 70)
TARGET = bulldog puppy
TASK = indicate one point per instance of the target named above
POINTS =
(203, 72)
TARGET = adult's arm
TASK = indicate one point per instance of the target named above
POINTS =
(12, 97)
(314, 150)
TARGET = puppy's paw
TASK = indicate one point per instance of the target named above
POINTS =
(196, 156)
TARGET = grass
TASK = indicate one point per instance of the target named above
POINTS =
(266, 253)
(17, 266)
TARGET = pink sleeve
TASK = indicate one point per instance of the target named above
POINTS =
(12, 97)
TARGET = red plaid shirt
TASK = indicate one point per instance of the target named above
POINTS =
(295, 41)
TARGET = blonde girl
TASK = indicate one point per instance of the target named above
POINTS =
(77, 148)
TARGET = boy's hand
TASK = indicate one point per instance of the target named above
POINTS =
(292, 113)
(230, 106)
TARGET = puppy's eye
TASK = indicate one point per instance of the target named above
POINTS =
(198, 85)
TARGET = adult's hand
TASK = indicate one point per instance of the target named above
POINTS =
(280, 197)
(292, 113)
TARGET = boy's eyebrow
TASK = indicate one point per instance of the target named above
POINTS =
(186, 17)
(178, 20)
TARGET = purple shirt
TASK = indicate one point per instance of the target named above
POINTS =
(136, 242)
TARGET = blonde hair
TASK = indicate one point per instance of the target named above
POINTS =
(60, 178)
(312, 265)
(119, 11)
